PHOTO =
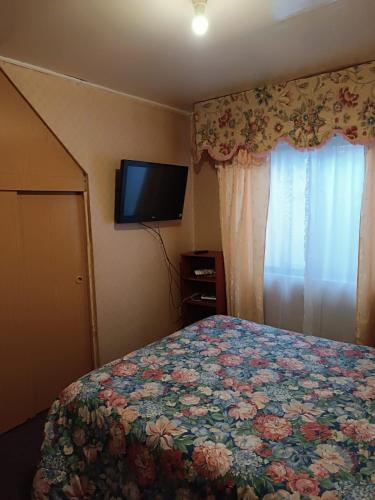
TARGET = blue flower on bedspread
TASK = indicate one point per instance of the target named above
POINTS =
(222, 409)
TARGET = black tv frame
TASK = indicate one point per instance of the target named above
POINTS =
(119, 193)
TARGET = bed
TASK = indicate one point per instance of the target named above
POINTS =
(224, 408)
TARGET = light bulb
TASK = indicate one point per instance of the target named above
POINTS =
(199, 24)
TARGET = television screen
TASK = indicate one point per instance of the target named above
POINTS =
(149, 191)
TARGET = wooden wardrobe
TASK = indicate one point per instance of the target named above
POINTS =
(45, 307)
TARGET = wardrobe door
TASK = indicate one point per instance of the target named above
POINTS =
(45, 341)
(56, 294)
(16, 402)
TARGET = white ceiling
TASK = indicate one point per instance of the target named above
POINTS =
(146, 47)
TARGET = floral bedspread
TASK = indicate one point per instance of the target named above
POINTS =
(224, 408)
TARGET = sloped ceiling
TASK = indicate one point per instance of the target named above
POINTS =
(146, 47)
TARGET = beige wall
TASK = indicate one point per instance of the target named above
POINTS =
(99, 128)
(206, 208)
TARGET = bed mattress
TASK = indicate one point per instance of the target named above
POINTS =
(224, 408)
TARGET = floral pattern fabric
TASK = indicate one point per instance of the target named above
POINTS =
(224, 408)
(304, 112)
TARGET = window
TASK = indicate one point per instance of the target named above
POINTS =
(312, 238)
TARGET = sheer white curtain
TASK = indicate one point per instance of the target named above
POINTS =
(312, 239)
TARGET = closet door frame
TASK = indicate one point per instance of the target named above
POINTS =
(89, 263)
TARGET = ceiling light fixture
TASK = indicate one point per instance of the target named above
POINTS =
(200, 21)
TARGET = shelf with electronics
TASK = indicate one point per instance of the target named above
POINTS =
(202, 285)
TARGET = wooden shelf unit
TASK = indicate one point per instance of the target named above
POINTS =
(192, 309)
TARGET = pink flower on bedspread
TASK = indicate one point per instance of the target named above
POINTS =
(151, 389)
(106, 394)
(322, 393)
(291, 364)
(258, 362)
(296, 409)
(211, 351)
(229, 382)
(153, 374)
(198, 411)
(125, 369)
(230, 359)
(304, 484)
(154, 361)
(365, 392)
(308, 384)
(212, 460)
(314, 430)
(161, 433)
(259, 399)
(352, 353)
(117, 401)
(278, 472)
(318, 469)
(264, 376)
(359, 430)
(324, 351)
(263, 450)
(272, 427)
(243, 411)
(185, 375)
(189, 399)
(208, 323)
(332, 458)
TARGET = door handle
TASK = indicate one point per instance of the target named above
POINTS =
(79, 279)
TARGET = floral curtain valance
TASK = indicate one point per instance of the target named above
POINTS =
(304, 112)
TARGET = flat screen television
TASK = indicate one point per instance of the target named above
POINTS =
(149, 191)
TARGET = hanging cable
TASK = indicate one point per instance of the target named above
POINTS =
(173, 273)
